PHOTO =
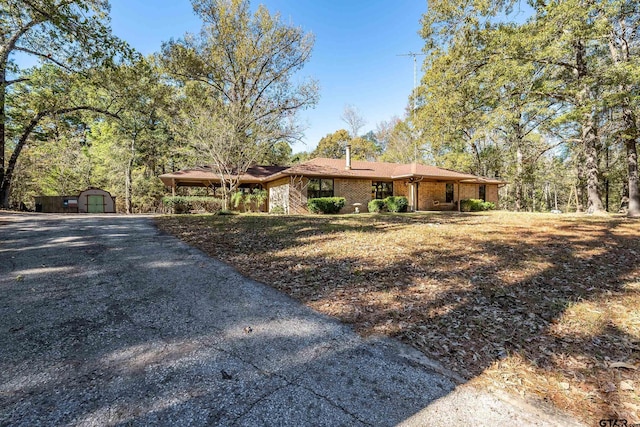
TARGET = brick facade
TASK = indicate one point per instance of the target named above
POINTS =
(354, 191)
(472, 191)
(432, 196)
(401, 189)
(492, 194)
(468, 191)
(291, 194)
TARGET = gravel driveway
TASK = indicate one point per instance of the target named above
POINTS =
(106, 321)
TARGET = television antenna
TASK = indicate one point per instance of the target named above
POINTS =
(415, 72)
(413, 96)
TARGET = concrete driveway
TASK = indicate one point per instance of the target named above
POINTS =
(106, 321)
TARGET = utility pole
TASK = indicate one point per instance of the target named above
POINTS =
(413, 97)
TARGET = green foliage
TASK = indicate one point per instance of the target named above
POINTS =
(259, 197)
(326, 205)
(332, 146)
(300, 158)
(364, 149)
(397, 142)
(253, 200)
(74, 42)
(475, 205)
(186, 204)
(396, 203)
(499, 93)
(241, 95)
(277, 210)
(237, 198)
(278, 154)
(376, 205)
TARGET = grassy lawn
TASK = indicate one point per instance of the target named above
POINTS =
(546, 307)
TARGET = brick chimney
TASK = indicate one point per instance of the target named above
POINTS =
(347, 166)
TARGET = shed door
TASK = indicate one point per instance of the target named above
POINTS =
(95, 204)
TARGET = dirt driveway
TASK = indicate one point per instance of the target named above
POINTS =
(106, 321)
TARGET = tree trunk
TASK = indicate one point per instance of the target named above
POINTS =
(127, 188)
(4, 189)
(606, 178)
(128, 181)
(624, 198)
(519, 173)
(5, 185)
(594, 200)
(632, 162)
(580, 186)
(589, 136)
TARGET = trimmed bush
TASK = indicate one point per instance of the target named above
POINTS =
(376, 205)
(475, 205)
(488, 206)
(277, 210)
(396, 204)
(186, 204)
(326, 205)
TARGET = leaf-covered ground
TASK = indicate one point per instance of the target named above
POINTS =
(543, 306)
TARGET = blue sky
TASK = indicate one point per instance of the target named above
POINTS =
(354, 60)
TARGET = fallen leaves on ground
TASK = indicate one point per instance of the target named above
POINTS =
(543, 306)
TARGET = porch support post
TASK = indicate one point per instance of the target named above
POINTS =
(414, 205)
(458, 196)
(173, 187)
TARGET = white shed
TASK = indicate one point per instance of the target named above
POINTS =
(95, 200)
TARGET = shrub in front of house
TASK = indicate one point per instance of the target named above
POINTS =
(376, 205)
(476, 205)
(396, 203)
(253, 200)
(325, 205)
(186, 204)
(277, 210)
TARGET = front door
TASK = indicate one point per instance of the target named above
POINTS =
(95, 204)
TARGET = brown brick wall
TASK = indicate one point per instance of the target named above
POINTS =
(432, 196)
(468, 191)
(400, 188)
(471, 191)
(359, 191)
(492, 193)
(354, 191)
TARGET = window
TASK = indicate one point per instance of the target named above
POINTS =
(449, 193)
(319, 188)
(381, 189)
(482, 192)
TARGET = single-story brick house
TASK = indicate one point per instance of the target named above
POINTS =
(426, 187)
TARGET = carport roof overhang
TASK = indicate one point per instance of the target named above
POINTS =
(173, 181)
